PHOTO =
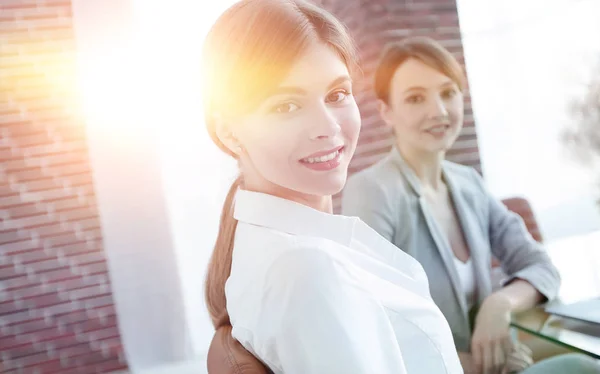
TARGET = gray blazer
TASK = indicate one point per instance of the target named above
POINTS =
(387, 196)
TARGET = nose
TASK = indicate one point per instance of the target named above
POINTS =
(325, 124)
(438, 109)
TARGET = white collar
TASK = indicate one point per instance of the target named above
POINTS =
(284, 215)
(270, 211)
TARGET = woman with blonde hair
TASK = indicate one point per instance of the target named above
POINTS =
(305, 291)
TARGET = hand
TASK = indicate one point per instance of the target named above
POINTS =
(467, 363)
(519, 359)
(491, 344)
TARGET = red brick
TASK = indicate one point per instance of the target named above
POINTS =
(51, 366)
(37, 222)
(71, 169)
(90, 359)
(78, 247)
(36, 289)
(25, 210)
(101, 301)
(107, 310)
(95, 324)
(11, 236)
(31, 326)
(81, 179)
(33, 256)
(50, 194)
(63, 342)
(75, 351)
(57, 275)
(88, 292)
(35, 360)
(88, 224)
(16, 353)
(95, 268)
(6, 190)
(47, 183)
(53, 229)
(10, 202)
(73, 318)
(50, 264)
(46, 300)
(109, 366)
(69, 203)
(35, 139)
(19, 283)
(59, 240)
(77, 214)
(9, 272)
(112, 346)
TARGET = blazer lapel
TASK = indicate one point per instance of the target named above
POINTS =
(441, 242)
(445, 252)
(470, 227)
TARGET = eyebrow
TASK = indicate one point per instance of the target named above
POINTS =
(419, 88)
(294, 90)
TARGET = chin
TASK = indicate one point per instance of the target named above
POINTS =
(326, 185)
(441, 146)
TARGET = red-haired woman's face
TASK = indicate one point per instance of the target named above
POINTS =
(425, 108)
(300, 140)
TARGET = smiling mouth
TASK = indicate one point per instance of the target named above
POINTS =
(324, 158)
(321, 157)
(439, 129)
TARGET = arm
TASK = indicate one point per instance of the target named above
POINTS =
(532, 276)
(467, 363)
(368, 200)
(323, 322)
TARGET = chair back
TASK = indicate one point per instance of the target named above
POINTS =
(522, 207)
(227, 356)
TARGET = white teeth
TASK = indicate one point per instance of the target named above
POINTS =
(439, 129)
(329, 157)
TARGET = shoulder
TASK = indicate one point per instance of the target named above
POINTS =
(281, 258)
(307, 266)
(381, 179)
(465, 176)
(460, 171)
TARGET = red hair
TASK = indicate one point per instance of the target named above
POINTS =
(426, 50)
(248, 52)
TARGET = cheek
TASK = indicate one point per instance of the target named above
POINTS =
(456, 113)
(350, 122)
(411, 118)
(269, 143)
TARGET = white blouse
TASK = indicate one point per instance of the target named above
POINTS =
(311, 292)
(466, 274)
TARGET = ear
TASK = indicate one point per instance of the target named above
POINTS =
(385, 111)
(227, 136)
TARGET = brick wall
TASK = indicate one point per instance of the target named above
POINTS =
(56, 308)
(376, 22)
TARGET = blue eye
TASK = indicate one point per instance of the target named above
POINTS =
(285, 108)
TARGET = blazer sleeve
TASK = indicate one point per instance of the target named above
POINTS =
(369, 200)
(321, 321)
(521, 256)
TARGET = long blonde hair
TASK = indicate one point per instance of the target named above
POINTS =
(247, 53)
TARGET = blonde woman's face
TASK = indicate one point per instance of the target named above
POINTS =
(300, 140)
(425, 108)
